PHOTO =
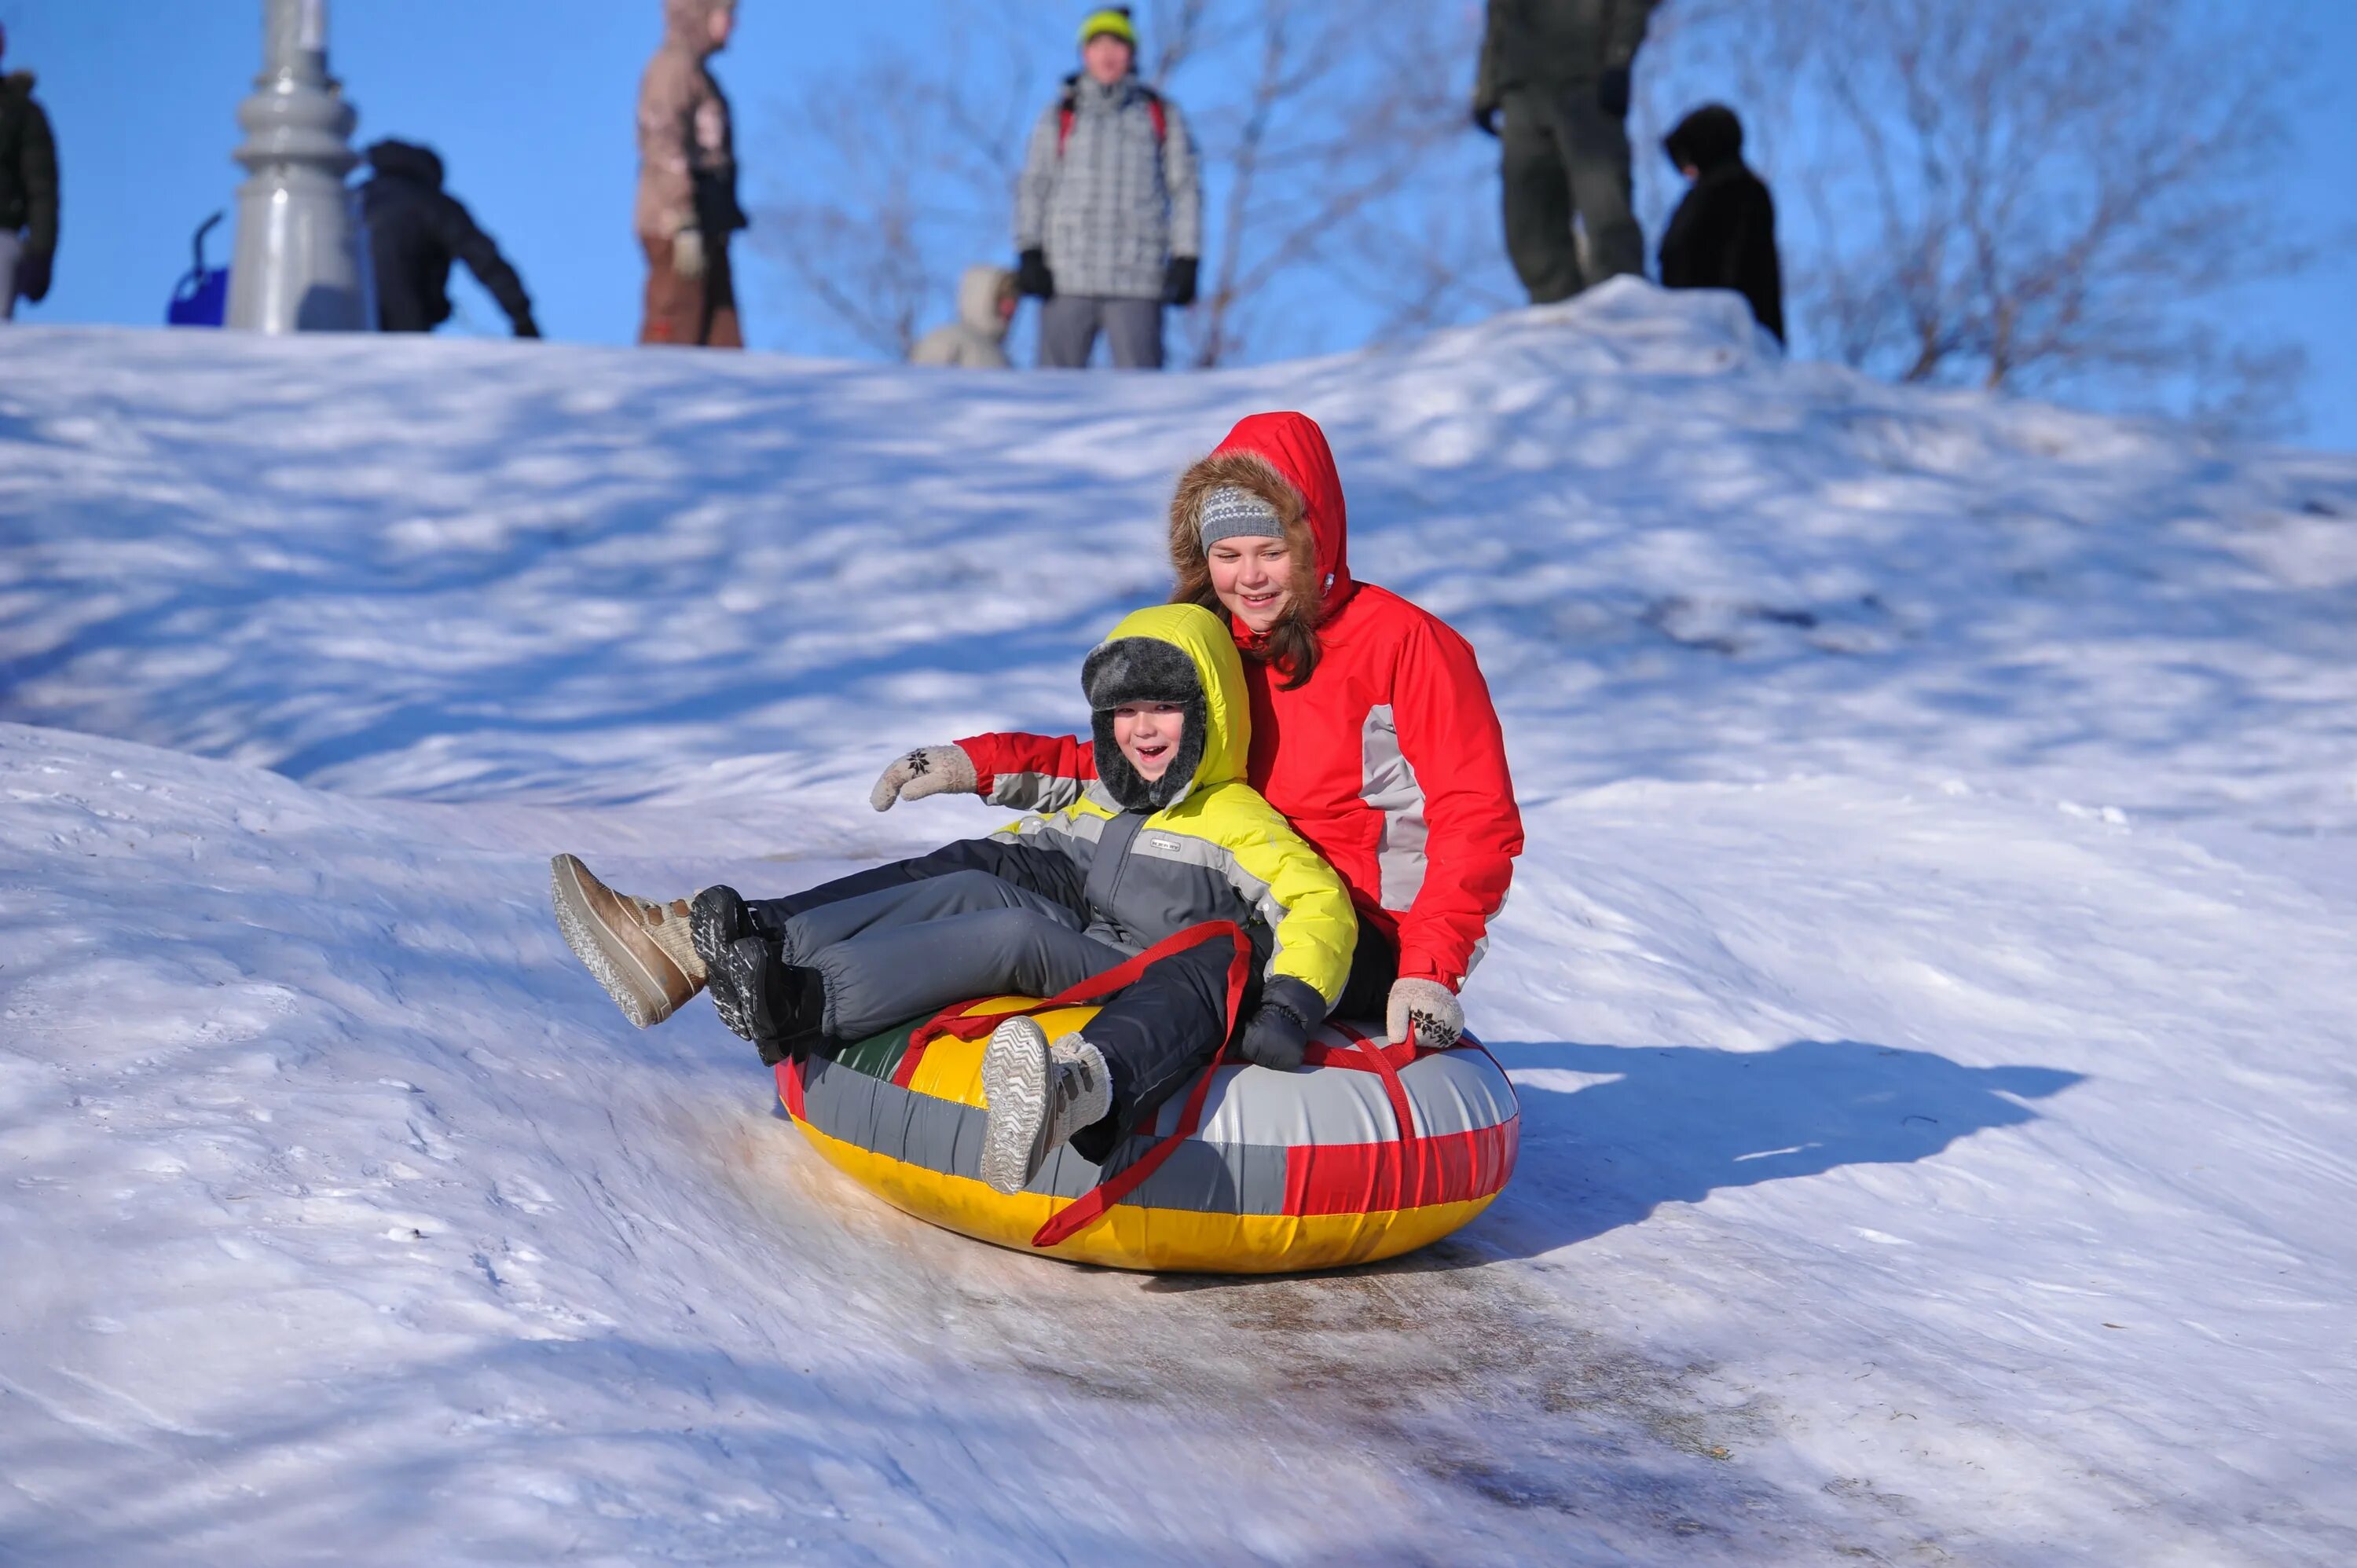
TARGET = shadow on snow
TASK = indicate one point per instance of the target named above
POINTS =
(1611, 1133)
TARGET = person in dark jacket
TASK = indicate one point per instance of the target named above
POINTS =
(415, 230)
(29, 192)
(1723, 234)
(1558, 72)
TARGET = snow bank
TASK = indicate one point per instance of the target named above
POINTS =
(1929, 983)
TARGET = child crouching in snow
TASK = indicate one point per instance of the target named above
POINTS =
(1168, 836)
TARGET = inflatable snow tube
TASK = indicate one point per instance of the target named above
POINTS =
(1366, 1152)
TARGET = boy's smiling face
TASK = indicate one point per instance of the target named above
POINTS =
(1148, 734)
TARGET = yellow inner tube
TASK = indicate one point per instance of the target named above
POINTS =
(1286, 1171)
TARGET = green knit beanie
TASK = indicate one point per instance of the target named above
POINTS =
(1114, 22)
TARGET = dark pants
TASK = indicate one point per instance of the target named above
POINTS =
(1004, 921)
(1374, 964)
(695, 313)
(1156, 1033)
(1165, 1025)
(1069, 325)
(910, 951)
(1563, 155)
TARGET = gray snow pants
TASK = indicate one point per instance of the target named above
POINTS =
(12, 246)
(1069, 325)
(909, 951)
(1562, 155)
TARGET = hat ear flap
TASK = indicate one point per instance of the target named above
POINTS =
(1121, 781)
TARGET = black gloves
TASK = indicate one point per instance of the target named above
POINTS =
(1032, 277)
(33, 274)
(1275, 1038)
(1278, 1035)
(1179, 281)
(1485, 119)
(1612, 91)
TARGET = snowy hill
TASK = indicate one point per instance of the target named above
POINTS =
(1930, 986)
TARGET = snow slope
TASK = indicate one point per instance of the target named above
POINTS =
(1929, 985)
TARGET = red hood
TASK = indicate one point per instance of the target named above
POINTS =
(1296, 447)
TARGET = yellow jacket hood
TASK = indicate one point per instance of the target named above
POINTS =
(1199, 843)
(1176, 653)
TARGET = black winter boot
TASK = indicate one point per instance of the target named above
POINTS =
(717, 920)
(779, 1006)
(783, 1005)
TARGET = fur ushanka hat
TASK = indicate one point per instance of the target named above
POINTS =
(1143, 670)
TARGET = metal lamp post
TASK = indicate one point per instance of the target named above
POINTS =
(298, 266)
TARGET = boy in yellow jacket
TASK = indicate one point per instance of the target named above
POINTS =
(1169, 837)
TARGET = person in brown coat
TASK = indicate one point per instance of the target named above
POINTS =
(687, 208)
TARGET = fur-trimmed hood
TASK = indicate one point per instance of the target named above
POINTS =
(1283, 458)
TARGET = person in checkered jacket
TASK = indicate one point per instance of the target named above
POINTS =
(1109, 213)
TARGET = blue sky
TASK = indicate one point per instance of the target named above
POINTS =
(530, 102)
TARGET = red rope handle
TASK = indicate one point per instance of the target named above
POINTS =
(961, 1020)
(1086, 1210)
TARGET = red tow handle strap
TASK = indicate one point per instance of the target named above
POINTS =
(1363, 1055)
(962, 1022)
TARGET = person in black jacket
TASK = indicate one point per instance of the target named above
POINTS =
(29, 192)
(1554, 88)
(1723, 234)
(415, 230)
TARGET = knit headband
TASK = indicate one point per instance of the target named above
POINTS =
(1231, 511)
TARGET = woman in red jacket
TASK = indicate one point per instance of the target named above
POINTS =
(1373, 729)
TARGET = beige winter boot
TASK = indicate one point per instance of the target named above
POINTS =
(1036, 1096)
(638, 950)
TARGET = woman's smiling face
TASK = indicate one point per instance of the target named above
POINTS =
(1254, 578)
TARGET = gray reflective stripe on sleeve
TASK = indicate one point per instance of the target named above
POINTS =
(1389, 786)
(1034, 791)
(1080, 826)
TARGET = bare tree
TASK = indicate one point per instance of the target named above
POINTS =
(899, 172)
(1333, 145)
(2036, 195)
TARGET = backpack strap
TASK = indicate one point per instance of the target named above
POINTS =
(1068, 107)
